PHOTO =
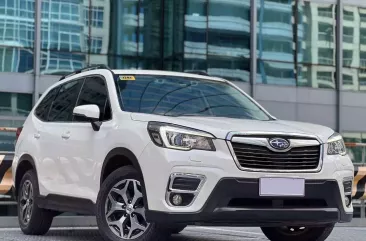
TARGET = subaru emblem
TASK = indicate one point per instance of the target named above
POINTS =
(279, 143)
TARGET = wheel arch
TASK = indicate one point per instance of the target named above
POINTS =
(120, 157)
(25, 163)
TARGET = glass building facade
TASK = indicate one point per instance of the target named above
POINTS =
(313, 48)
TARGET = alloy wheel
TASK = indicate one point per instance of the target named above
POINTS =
(26, 202)
(124, 210)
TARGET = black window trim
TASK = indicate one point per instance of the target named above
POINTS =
(60, 86)
(108, 94)
(40, 101)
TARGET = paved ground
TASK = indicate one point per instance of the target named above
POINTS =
(190, 234)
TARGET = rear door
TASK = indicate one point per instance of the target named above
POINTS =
(54, 135)
(39, 131)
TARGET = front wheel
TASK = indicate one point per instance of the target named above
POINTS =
(298, 233)
(121, 209)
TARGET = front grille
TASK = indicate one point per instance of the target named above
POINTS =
(260, 157)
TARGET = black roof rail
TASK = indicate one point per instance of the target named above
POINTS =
(199, 72)
(91, 67)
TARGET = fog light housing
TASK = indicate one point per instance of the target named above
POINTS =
(347, 185)
(183, 188)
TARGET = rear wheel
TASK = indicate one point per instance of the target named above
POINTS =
(32, 219)
(298, 233)
(121, 209)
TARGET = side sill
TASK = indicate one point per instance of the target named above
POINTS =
(66, 204)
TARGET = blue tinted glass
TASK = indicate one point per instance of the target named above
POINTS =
(175, 96)
(20, 107)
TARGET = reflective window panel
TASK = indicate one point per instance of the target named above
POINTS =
(17, 23)
(126, 62)
(13, 104)
(354, 48)
(60, 63)
(235, 69)
(63, 25)
(196, 23)
(127, 19)
(14, 59)
(275, 47)
(196, 64)
(275, 73)
(149, 31)
(174, 23)
(317, 76)
(229, 39)
(16, 35)
(175, 64)
(316, 44)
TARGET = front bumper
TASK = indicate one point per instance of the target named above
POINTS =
(236, 201)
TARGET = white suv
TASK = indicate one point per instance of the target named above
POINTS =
(150, 152)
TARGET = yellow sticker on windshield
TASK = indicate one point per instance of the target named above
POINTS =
(127, 77)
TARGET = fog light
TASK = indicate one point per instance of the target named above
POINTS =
(347, 201)
(177, 199)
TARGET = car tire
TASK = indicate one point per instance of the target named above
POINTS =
(114, 214)
(298, 234)
(33, 220)
(177, 229)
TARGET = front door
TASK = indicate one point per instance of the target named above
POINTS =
(85, 148)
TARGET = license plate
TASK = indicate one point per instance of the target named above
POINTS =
(281, 187)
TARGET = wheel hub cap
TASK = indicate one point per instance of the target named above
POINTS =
(124, 210)
(129, 209)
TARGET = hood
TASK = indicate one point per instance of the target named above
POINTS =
(221, 126)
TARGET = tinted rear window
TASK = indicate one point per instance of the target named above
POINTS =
(177, 96)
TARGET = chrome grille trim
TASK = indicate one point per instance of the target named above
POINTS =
(264, 142)
(295, 142)
(231, 135)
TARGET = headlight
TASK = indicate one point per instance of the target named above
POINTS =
(180, 138)
(336, 145)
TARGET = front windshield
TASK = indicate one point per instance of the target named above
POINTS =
(182, 96)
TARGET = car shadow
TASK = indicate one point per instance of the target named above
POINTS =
(187, 235)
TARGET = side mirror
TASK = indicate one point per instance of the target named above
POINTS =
(90, 113)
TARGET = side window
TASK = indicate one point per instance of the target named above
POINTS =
(43, 108)
(63, 105)
(95, 92)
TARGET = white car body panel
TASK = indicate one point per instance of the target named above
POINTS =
(220, 127)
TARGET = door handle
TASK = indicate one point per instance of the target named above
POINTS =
(66, 135)
(37, 135)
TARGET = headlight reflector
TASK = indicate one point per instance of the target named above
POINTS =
(180, 138)
(336, 145)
